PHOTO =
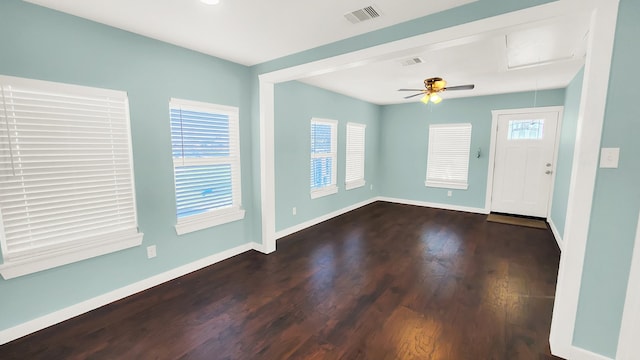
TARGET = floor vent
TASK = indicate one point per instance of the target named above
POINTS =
(411, 61)
(360, 15)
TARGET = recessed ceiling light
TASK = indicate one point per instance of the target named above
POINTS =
(210, 2)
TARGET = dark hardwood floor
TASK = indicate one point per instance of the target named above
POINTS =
(385, 281)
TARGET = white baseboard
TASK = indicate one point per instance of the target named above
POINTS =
(433, 205)
(319, 219)
(309, 223)
(260, 248)
(56, 317)
(556, 233)
(582, 354)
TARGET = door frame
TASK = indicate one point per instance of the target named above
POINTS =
(494, 138)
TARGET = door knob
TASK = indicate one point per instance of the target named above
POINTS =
(548, 172)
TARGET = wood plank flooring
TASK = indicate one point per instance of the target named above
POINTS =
(386, 281)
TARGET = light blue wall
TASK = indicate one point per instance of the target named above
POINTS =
(405, 130)
(616, 199)
(295, 104)
(48, 45)
(565, 152)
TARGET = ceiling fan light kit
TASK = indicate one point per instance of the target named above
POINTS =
(434, 98)
(432, 87)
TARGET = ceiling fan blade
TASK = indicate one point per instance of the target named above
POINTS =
(461, 87)
(411, 89)
(414, 95)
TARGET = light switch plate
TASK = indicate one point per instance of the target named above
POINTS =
(609, 158)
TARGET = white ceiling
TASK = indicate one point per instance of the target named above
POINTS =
(534, 56)
(530, 56)
(248, 32)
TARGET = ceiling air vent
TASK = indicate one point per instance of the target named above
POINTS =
(360, 15)
(411, 61)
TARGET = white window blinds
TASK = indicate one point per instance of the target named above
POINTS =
(324, 157)
(448, 156)
(354, 167)
(206, 160)
(66, 174)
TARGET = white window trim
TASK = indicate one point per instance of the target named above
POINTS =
(327, 190)
(447, 184)
(80, 250)
(354, 184)
(213, 217)
(333, 187)
(209, 219)
(15, 268)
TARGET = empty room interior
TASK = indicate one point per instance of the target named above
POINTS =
(389, 179)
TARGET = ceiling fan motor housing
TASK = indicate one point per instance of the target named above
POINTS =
(434, 84)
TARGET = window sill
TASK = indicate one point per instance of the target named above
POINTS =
(354, 184)
(47, 260)
(207, 220)
(332, 189)
(446, 185)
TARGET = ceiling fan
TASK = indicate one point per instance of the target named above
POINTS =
(432, 87)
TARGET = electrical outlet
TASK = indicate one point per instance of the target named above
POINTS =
(371, 187)
(151, 251)
(449, 193)
(294, 211)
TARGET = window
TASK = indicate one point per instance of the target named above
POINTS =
(526, 129)
(66, 178)
(354, 173)
(206, 164)
(324, 138)
(448, 156)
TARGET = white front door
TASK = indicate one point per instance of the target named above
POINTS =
(525, 148)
